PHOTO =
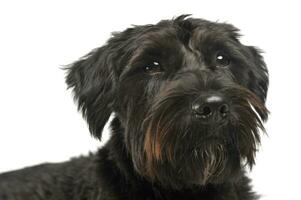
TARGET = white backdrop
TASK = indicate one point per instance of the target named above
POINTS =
(39, 121)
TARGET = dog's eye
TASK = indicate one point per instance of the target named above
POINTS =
(222, 60)
(153, 67)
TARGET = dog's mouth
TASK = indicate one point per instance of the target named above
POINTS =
(179, 150)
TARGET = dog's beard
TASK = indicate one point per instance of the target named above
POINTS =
(179, 151)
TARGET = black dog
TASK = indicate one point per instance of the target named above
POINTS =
(188, 100)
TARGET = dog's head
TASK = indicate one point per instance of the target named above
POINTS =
(188, 94)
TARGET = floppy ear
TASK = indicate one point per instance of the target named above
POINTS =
(91, 79)
(259, 77)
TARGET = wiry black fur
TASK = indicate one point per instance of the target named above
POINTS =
(158, 149)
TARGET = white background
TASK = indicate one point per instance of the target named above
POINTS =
(39, 121)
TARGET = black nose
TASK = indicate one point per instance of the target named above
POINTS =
(210, 106)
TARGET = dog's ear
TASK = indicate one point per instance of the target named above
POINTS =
(258, 77)
(91, 79)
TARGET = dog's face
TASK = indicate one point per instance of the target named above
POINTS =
(189, 97)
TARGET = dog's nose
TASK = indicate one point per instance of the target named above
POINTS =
(210, 106)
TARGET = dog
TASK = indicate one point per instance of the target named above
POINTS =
(188, 100)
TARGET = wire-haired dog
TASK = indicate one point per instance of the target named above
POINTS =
(188, 102)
